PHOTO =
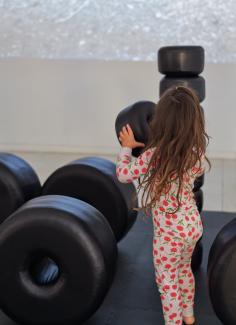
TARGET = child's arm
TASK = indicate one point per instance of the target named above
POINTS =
(128, 169)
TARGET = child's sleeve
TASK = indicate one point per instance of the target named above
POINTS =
(129, 168)
(199, 170)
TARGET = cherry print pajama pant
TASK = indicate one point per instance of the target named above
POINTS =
(174, 239)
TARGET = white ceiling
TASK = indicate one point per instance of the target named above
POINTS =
(116, 29)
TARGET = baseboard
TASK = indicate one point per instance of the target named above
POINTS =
(90, 150)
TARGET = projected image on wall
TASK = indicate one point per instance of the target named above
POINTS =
(115, 30)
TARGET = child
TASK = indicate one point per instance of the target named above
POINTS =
(172, 159)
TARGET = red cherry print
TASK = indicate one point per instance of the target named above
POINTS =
(182, 234)
(136, 171)
(166, 287)
(161, 229)
(172, 276)
(169, 223)
(174, 205)
(148, 153)
(174, 286)
(144, 170)
(162, 209)
(172, 198)
(167, 266)
(164, 258)
(167, 238)
(141, 162)
(178, 321)
(195, 170)
(180, 228)
(156, 212)
(170, 233)
(174, 216)
(193, 219)
(173, 259)
(193, 229)
(173, 249)
(158, 280)
(155, 252)
(165, 203)
(189, 233)
(168, 216)
(166, 308)
(181, 281)
(173, 294)
(190, 297)
(191, 280)
(173, 243)
(154, 241)
(125, 171)
(185, 290)
(185, 306)
(158, 261)
(186, 218)
(173, 270)
(161, 248)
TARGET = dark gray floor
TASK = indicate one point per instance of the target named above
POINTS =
(134, 298)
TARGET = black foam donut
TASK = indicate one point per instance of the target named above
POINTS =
(181, 60)
(199, 199)
(94, 180)
(196, 83)
(197, 256)
(199, 182)
(138, 115)
(221, 270)
(18, 183)
(77, 237)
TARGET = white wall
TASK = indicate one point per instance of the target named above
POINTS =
(60, 105)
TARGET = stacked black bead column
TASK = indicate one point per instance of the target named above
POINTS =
(182, 66)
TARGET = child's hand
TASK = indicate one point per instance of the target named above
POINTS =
(126, 136)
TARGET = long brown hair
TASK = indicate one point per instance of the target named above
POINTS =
(177, 132)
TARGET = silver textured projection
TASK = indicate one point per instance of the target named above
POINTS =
(116, 29)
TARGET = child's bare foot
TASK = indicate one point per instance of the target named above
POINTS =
(189, 320)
